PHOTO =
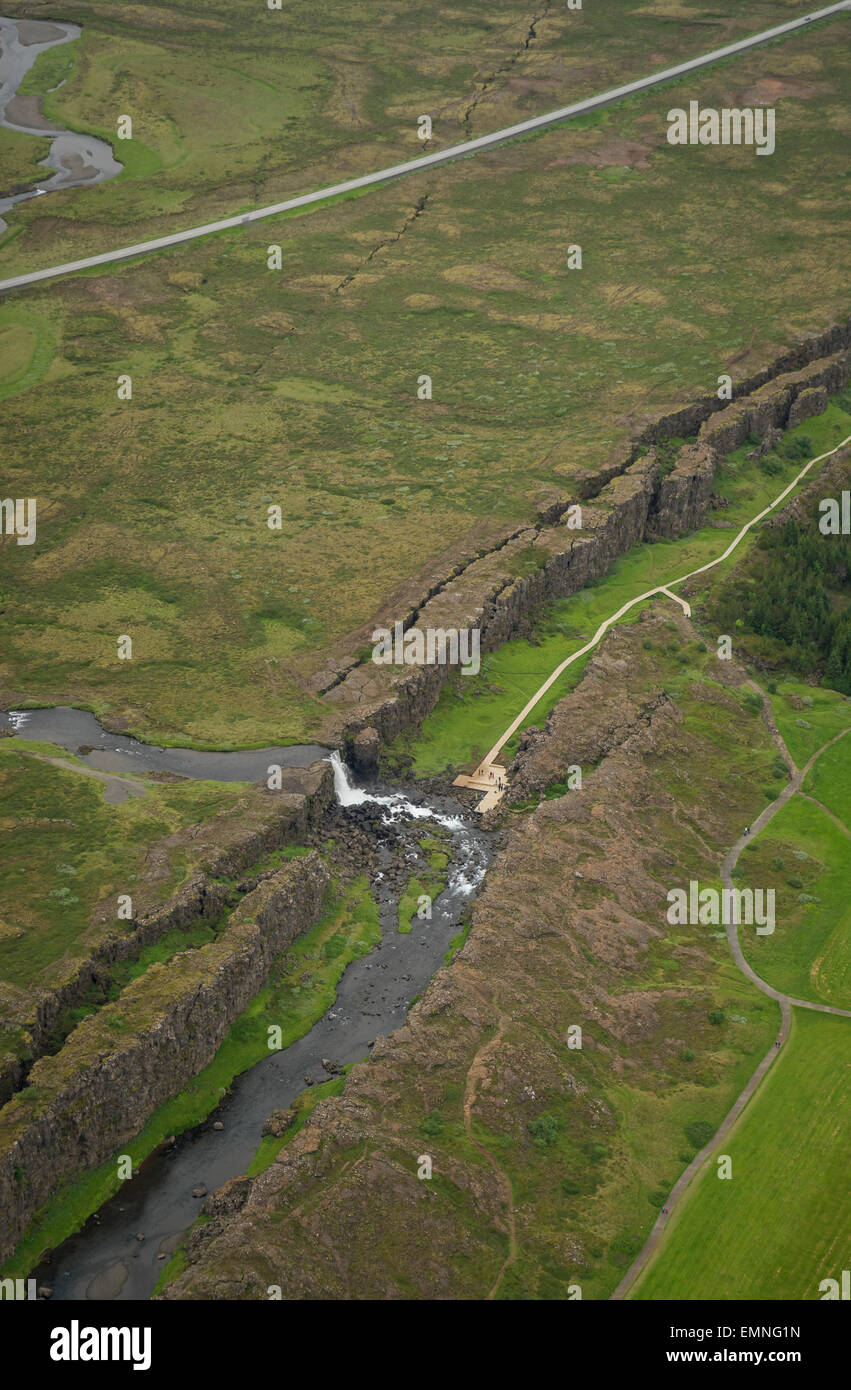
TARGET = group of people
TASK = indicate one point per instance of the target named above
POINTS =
(499, 782)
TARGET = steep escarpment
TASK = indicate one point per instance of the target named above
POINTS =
(119, 1065)
(218, 850)
(642, 498)
(549, 1146)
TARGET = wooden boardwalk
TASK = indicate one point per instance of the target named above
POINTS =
(488, 778)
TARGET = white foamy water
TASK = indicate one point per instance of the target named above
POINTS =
(397, 804)
(464, 876)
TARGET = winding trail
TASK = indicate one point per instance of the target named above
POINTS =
(411, 166)
(785, 1001)
(490, 759)
(117, 789)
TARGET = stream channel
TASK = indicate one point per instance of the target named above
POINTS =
(76, 159)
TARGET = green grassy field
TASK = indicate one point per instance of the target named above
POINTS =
(805, 857)
(298, 388)
(808, 716)
(771, 1232)
(66, 849)
(829, 778)
(19, 160)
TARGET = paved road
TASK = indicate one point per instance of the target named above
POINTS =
(428, 161)
(527, 709)
(785, 1001)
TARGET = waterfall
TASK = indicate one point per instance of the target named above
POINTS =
(397, 803)
(469, 869)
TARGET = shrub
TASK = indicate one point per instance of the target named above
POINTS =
(799, 448)
(699, 1132)
(596, 1152)
(432, 1125)
(544, 1130)
(624, 1248)
(570, 1187)
(716, 1016)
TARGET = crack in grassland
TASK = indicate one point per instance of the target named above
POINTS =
(485, 86)
(418, 210)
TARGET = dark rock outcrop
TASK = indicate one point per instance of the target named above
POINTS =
(810, 402)
(683, 495)
(119, 1065)
(364, 751)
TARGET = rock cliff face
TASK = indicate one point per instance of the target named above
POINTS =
(808, 403)
(681, 500)
(119, 1065)
(265, 823)
(640, 500)
(770, 406)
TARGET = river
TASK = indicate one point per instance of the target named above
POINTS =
(105, 1260)
(80, 733)
(76, 159)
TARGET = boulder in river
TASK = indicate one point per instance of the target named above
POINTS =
(278, 1123)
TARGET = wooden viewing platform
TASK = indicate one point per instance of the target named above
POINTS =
(486, 778)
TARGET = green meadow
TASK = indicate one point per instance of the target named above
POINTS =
(808, 717)
(772, 1230)
(314, 93)
(829, 778)
(66, 849)
(804, 855)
